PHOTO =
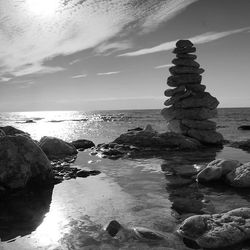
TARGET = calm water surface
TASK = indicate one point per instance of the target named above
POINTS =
(135, 192)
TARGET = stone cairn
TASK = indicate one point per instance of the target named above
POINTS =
(189, 107)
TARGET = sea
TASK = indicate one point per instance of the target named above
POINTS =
(135, 192)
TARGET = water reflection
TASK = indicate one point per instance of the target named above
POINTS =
(22, 214)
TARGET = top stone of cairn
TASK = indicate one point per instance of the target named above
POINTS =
(184, 44)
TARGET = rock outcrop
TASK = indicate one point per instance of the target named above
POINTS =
(217, 230)
(82, 144)
(22, 162)
(189, 107)
(56, 148)
(9, 130)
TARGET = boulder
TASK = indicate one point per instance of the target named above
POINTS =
(56, 148)
(176, 81)
(9, 130)
(195, 124)
(245, 145)
(195, 87)
(240, 176)
(176, 70)
(83, 144)
(22, 162)
(184, 44)
(217, 230)
(172, 92)
(191, 114)
(206, 136)
(185, 62)
(200, 100)
(216, 169)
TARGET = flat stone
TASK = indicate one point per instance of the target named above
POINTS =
(176, 70)
(186, 56)
(217, 230)
(206, 136)
(171, 92)
(204, 125)
(200, 100)
(195, 87)
(184, 44)
(176, 98)
(185, 62)
(240, 176)
(176, 81)
(193, 114)
(184, 50)
(216, 169)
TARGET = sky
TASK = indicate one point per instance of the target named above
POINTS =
(115, 54)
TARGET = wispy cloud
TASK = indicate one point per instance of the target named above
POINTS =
(5, 79)
(163, 66)
(112, 47)
(32, 34)
(74, 61)
(79, 76)
(203, 38)
(108, 73)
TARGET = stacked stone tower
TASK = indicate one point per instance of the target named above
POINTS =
(189, 107)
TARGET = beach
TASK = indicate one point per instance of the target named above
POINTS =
(138, 191)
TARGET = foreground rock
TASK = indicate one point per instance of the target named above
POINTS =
(217, 230)
(232, 172)
(189, 107)
(9, 130)
(56, 148)
(23, 162)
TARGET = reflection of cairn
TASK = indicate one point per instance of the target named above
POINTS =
(190, 106)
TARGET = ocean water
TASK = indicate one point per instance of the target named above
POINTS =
(136, 192)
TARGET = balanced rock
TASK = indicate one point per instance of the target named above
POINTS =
(191, 113)
(56, 148)
(177, 80)
(217, 230)
(185, 62)
(172, 92)
(189, 106)
(184, 44)
(22, 161)
(200, 100)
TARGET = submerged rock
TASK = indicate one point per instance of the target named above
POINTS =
(56, 148)
(217, 169)
(217, 230)
(23, 162)
(83, 144)
(244, 127)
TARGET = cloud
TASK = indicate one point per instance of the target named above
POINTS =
(78, 76)
(31, 34)
(203, 38)
(5, 79)
(36, 68)
(112, 47)
(109, 73)
(163, 66)
(74, 61)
